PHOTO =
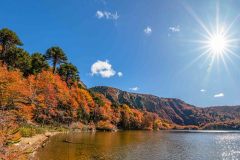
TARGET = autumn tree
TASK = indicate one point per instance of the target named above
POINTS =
(38, 63)
(125, 116)
(50, 96)
(116, 115)
(103, 110)
(14, 91)
(136, 118)
(149, 120)
(68, 73)
(57, 56)
(82, 102)
(8, 39)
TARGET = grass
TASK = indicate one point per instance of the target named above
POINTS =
(31, 130)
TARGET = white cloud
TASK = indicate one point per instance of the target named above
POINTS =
(120, 74)
(175, 28)
(102, 68)
(107, 15)
(218, 95)
(148, 30)
(99, 14)
(134, 89)
(202, 90)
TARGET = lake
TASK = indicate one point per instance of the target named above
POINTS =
(143, 145)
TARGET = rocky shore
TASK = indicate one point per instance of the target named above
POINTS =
(31, 144)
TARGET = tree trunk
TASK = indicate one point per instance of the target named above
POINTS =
(3, 54)
(54, 66)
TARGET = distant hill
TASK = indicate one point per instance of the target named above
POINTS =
(171, 109)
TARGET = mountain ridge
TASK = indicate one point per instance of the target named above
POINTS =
(172, 109)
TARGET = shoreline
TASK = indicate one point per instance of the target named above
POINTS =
(30, 145)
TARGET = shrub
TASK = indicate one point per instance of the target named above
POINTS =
(105, 126)
(27, 131)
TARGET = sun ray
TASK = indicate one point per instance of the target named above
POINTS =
(191, 11)
(193, 62)
(217, 17)
(224, 63)
(217, 43)
(232, 23)
(233, 53)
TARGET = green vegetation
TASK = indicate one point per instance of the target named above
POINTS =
(68, 73)
(38, 63)
(8, 39)
(31, 131)
(56, 55)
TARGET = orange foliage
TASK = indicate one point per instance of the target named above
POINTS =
(14, 91)
(48, 90)
(47, 99)
(81, 98)
(103, 110)
(82, 103)
(106, 126)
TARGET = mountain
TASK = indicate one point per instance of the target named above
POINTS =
(171, 109)
(223, 113)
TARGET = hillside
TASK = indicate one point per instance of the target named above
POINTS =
(171, 109)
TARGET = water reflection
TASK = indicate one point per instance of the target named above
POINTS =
(140, 145)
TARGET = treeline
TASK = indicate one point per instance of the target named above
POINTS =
(14, 57)
(46, 89)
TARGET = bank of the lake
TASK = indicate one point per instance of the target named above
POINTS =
(30, 144)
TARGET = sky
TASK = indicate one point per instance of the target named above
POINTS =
(144, 46)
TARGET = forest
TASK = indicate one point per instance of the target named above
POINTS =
(44, 89)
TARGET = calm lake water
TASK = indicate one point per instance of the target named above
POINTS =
(143, 145)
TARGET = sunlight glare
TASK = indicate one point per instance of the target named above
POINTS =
(218, 44)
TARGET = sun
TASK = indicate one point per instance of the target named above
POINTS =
(218, 44)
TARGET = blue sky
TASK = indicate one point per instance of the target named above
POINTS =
(145, 46)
